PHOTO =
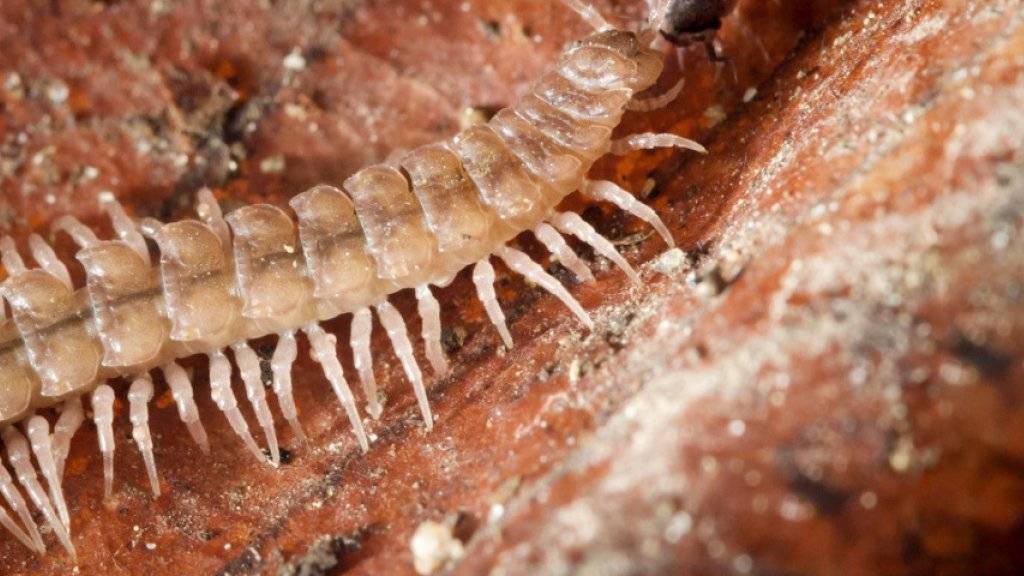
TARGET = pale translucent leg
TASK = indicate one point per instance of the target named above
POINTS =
(588, 13)
(649, 140)
(103, 416)
(611, 192)
(224, 398)
(38, 431)
(521, 264)
(139, 396)
(252, 376)
(10, 257)
(430, 314)
(71, 417)
(181, 390)
(571, 223)
(80, 233)
(18, 505)
(555, 244)
(47, 259)
(483, 277)
(124, 227)
(359, 338)
(393, 324)
(657, 102)
(21, 460)
(210, 213)
(281, 366)
(324, 351)
(7, 522)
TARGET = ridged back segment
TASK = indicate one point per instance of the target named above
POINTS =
(451, 205)
(518, 197)
(559, 165)
(624, 42)
(124, 292)
(604, 107)
(649, 62)
(394, 224)
(588, 139)
(269, 266)
(199, 288)
(17, 379)
(597, 68)
(334, 248)
(63, 353)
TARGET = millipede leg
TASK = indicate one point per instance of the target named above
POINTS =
(281, 366)
(610, 192)
(181, 390)
(588, 13)
(10, 257)
(430, 315)
(47, 259)
(323, 350)
(657, 102)
(359, 337)
(224, 398)
(20, 458)
(7, 522)
(103, 416)
(38, 431)
(139, 396)
(521, 264)
(571, 223)
(210, 213)
(483, 277)
(80, 233)
(18, 505)
(252, 377)
(650, 140)
(71, 417)
(124, 227)
(555, 244)
(399, 336)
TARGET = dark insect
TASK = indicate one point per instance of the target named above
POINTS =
(690, 22)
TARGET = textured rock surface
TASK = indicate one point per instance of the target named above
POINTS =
(827, 379)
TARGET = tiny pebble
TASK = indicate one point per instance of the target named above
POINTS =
(670, 262)
(433, 546)
(57, 92)
(294, 60)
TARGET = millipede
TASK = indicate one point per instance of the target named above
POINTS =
(159, 292)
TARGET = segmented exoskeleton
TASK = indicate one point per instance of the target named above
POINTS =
(220, 281)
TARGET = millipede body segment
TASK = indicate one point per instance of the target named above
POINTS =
(216, 282)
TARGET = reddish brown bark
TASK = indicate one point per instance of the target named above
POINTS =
(827, 380)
